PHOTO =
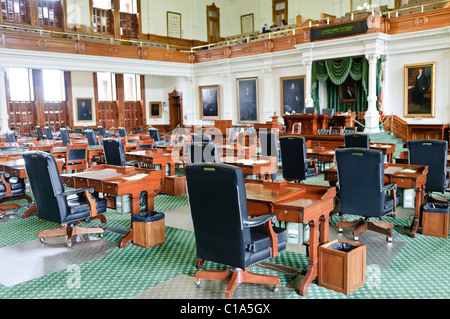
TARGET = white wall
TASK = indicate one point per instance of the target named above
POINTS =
(83, 87)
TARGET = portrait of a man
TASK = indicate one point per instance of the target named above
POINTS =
(84, 110)
(348, 91)
(155, 109)
(248, 100)
(292, 95)
(209, 102)
(419, 90)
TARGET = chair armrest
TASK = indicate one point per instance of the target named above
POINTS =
(5, 173)
(256, 221)
(392, 187)
(76, 191)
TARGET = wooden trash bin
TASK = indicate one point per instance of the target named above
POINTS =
(342, 266)
(148, 229)
(175, 185)
(435, 219)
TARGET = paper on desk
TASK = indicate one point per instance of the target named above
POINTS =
(245, 161)
(261, 161)
(407, 170)
(135, 177)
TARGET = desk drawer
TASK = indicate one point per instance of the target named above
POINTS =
(287, 215)
(403, 182)
(110, 189)
(80, 182)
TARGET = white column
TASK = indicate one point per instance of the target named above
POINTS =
(308, 97)
(372, 115)
(4, 117)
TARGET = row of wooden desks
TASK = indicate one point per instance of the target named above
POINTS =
(296, 203)
(405, 176)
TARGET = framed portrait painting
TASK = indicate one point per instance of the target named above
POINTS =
(155, 109)
(348, 91)
(419, 89)
(292, 94)
(84, 109)
(209, 97)
(247, 94)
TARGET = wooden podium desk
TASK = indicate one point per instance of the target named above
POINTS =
(256, 165)
(296, 203)
(393, 173)
(117, 181)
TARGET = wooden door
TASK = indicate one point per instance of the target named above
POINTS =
(175, 109)
(279, 11)
(213, 23)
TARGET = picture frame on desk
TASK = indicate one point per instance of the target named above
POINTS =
(209, 97)
(155, 109)
(419, 91)
(292, 94)
(348, 91)
(84, 109)
(247, 94)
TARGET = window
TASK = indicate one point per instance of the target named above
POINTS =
(106, 84)
(128, 6)
(132, 87)
(102, 4)
(20, 85)
(54, 85)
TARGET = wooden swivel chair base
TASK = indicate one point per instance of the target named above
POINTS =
(235, 276)
(362, 225)
(72, 229)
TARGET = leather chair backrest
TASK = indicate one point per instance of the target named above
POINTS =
(200, 137)
(434, 154)
(48, 133)
(101, 131)
(122, 132)
(310, 110)
(65, 136)
(90, 135)
(45, 182)
(114, 152)
(218, 204)
(293, 156)
(154, 134)
(11, 137)
(357, 140)
(269, 143)
(201, 152)
(329, 112)
(361, 178)
(40, 136)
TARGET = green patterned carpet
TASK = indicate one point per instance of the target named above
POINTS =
(420, 270)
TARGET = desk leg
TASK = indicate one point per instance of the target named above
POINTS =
(311, 274)
(30, 211)
(419, 202)
(135, 198)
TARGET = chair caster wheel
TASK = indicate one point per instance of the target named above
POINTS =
(276, 289)
(69, 243)
(389, 239)
(197, 282)
(102, 235)
(355, 237)
(340, 229)
(42, 239)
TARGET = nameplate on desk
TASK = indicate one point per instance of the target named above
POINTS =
(407, 170)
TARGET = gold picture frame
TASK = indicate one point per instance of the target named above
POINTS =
(419, 91)
(173, 24)
(84, 109)
(247, 99)
(247, 23)
(209, 98)
(292, 91)
(155, 109)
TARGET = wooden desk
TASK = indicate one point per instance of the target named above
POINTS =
(256, 165)
(393, 174)
(297, 203)
(156, 157)
(309, 122)
(325, 156)
(117, 181)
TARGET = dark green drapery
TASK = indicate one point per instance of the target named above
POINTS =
(334, 73)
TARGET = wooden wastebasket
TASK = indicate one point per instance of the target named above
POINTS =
(340, 270)
(435, 220)
(175, 185)
(149, 234)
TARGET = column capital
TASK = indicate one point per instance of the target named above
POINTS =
(372, 58)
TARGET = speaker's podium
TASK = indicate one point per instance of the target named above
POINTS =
(310, 122)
